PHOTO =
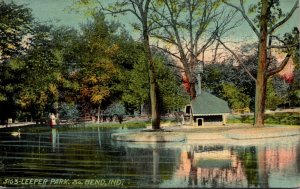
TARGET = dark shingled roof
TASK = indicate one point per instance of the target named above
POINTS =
(208, 104)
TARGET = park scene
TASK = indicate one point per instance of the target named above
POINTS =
(149, 94)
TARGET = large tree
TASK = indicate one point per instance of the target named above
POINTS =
(38, 74)
(15, 25)
(140, 9)
(96, 68)
(185, 29)
(270, 17)
(136, 85)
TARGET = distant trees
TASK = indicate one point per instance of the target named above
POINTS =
(229, 83)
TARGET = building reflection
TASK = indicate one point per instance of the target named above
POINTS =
(251, 166)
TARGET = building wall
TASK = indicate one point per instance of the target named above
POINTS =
(213, 120)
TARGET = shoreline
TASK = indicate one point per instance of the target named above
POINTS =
(232, 134)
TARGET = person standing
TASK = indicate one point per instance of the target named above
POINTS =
(52, 120)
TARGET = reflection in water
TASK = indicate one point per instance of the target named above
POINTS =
(298, 156)
(155, 175)
(99, 137)
(254, 166)
(55, 140)
(91, 154)
(263, 176)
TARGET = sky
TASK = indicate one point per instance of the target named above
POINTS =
(58, 12)
(54, 11)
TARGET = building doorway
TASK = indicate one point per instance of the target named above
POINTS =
(200, 122)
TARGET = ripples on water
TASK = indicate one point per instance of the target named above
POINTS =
(89, 158)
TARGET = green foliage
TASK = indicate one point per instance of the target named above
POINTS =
(69, 112)
(293, 92)
(235, 96)
(173, 95)
(36, 92)
(96, 68)
(15, 28)
(274, 15)
(116, 108)
(293, 40)
(249, 159)
(273, 99)
(224, 80)
(136, 85)
(15, 25)
(136, 92)
(278, 118)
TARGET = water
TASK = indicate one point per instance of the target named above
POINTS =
(89, 158)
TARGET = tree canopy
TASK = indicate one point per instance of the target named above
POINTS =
(15, 28)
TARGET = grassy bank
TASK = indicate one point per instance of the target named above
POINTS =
(280, 118)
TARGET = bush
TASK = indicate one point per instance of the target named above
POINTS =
(291, 118)
(69, 112)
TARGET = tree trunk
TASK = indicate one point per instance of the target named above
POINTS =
(98, 114)
(154, 92)
(193, 92)
(155, 114)
(261, 80)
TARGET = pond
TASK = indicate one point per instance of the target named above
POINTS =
(88, 158)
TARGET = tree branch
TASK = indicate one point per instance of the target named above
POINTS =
(283, 46)
(285, 19)
(280, 67)
(167, 51)
(242, 11)
(238, 59)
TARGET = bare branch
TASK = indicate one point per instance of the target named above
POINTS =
(242, 11)
(283, 46)
(175, 66)
(167, 51)
(280, 67)
(238, 59)
(120, 11)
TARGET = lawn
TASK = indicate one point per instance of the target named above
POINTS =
(280, 118)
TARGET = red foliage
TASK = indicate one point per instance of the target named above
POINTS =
(289, 77)
(186, 83)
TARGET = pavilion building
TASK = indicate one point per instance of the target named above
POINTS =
(207, 109)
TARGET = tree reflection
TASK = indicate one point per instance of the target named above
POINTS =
(249, 158)
(263, 175)
(54, 139)
(298, 157)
